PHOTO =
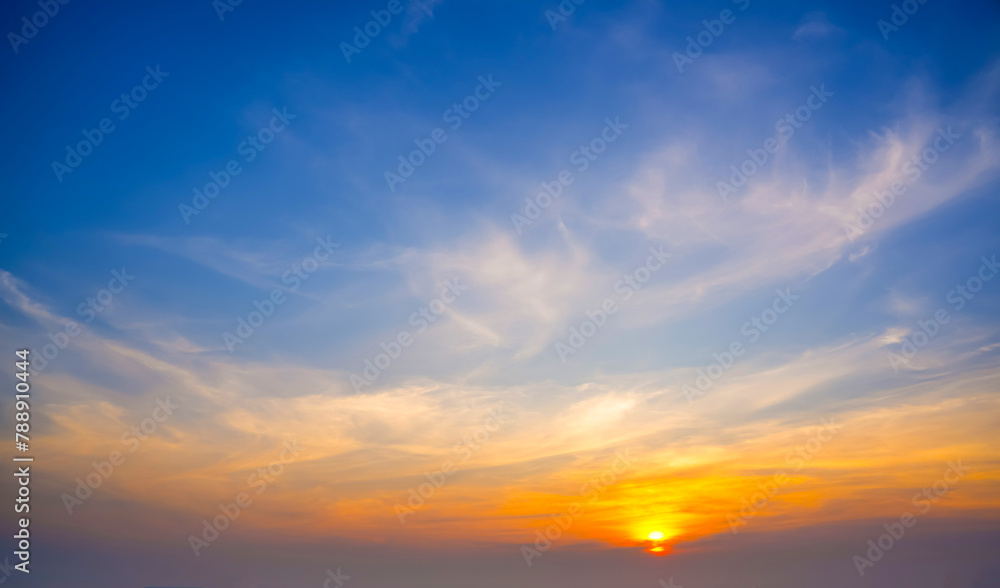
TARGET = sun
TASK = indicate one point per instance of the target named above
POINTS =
(656, 535)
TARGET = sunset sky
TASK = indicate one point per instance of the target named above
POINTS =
(505, 271)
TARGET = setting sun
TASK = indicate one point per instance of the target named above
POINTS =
(656, 535)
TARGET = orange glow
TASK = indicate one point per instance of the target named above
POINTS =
(666, 498)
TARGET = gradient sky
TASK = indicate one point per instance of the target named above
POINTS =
(621, 406)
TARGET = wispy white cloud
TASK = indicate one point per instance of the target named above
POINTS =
(815, 25)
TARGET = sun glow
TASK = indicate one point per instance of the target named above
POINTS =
(656, 535)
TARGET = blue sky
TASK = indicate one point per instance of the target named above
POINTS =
(323, 177)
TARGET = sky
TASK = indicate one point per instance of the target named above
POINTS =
(504, 293)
